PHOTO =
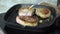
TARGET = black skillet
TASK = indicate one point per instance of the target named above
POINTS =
(11, 14)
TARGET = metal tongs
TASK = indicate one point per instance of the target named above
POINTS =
(33, 5)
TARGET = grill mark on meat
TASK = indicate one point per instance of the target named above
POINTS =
(45, 11)
(30, 19)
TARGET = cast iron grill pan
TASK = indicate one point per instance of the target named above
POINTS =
(11, 14)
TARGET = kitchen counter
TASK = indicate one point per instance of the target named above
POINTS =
(7, 4)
